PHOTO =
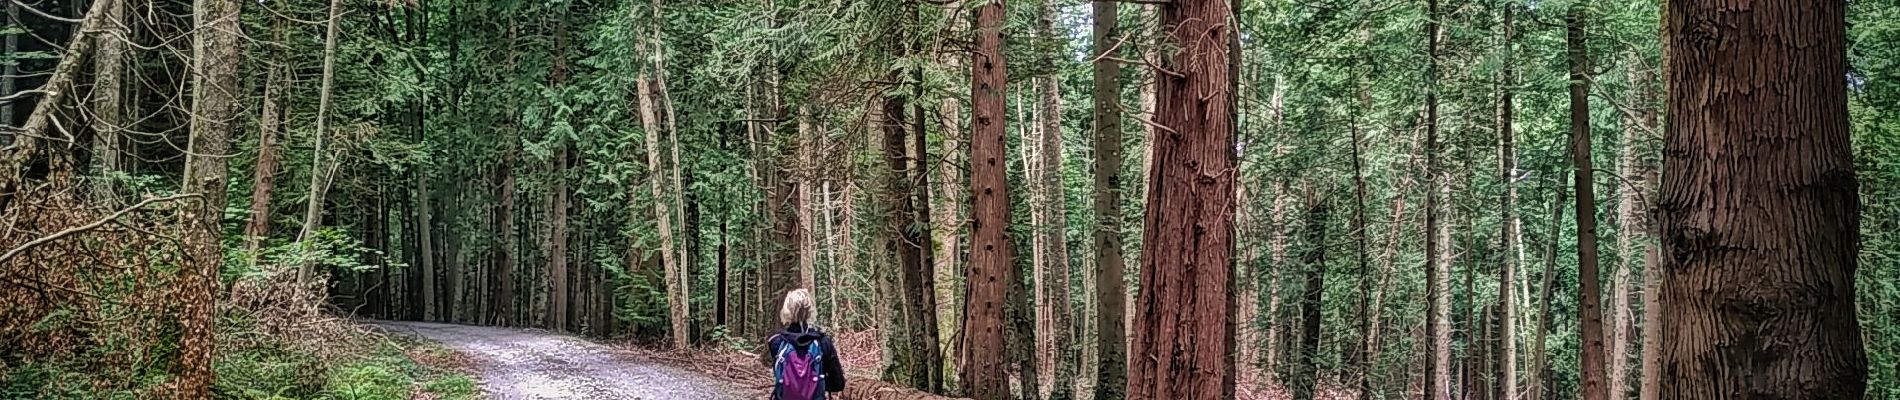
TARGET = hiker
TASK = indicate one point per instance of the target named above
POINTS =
(804, 357)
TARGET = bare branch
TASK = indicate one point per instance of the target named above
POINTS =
(87, 227)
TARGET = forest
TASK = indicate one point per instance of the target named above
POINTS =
(987, 199)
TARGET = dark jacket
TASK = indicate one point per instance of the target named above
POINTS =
(803, 335)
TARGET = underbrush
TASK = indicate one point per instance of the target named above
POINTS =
(275, 340)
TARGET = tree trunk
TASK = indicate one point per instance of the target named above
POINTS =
(1184, 334)
(1318, 206)
(1590, 298)
(1437, 276)
(108, 67)
(12, 70)
(781, 270)
(656, 178)
(264, 176)
(948, 208)
(214, 47)
(1538, 356)
(807, 161)
(1111, 374)
(1760, 207)
(557, 243)
(319, 182)
(1646, 103)
(920, 366)
(1507, 175)
(1632, 233)
(990, 254)
(1053, 282)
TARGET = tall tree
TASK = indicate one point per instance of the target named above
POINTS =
(1507, 175)
(319, 177)
(215, 48)
(1052, 280)
(1437, 275)
(656, 178)
(108, 87)
(1183, 332)
(921, 366)
(1760, 204)
(270, 126)
(1590, 296)
(1111, 372)
(1313, 261)
(990, 254)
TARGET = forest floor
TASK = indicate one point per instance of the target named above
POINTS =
(531, 364)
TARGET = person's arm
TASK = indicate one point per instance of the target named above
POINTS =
(834, 369)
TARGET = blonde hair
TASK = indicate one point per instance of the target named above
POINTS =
(798, 308)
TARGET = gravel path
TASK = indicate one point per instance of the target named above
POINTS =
(523, 364)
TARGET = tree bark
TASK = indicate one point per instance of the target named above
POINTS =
(1184, 335)
(1507, 175)
(1538, 356)
(656, 178)
(1590, 298)
(1646, 103)
(1111, 375)
(1760, 209)
(1632, 235)
(270, 124)
(920, 367)
(1318, 206)
(319, 178)
(108, 67)
(215, 47)
(1437, 276)
(990, 254)
(1053, 282)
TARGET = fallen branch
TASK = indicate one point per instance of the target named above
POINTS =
(877, 390)
(87, 227)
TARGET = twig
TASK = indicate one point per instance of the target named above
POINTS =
(95, 225)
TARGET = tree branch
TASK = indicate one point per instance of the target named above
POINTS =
(10, 254)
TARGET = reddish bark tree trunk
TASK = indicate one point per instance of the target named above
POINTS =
(1591, 298)
(990, 255)
(1184, 333)
(1760, 208)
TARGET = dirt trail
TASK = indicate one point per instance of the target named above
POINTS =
(524, 364)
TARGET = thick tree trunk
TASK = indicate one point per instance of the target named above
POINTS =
(214, 47)
(1318, 206)
(1760, 207)
(1590, 298)
(319, 177)
(1184, 336)
(990, 256)
(1111, 374)
(1507, 176)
